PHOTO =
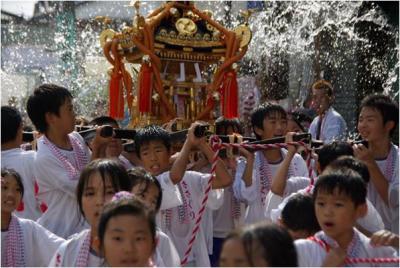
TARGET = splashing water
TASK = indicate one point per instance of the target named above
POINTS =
(305, 39)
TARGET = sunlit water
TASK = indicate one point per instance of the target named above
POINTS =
(34, 55)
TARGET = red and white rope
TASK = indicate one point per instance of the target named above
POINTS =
(371, 260)
(216, 146)
(348, 260)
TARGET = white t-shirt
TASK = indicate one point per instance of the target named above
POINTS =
(216, 198)
(333, 127)
(67, 253)
(256, 210)
(58, 191)
(390, 214)
(39, 244)
(170, 192)
(223, 218)
(195, 184)
(23, 163)
(125, 162)
(312, 254)
(372, 221)
(166, 254)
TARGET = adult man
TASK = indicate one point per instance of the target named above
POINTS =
(329, 125)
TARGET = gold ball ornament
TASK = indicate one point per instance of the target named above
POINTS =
(244, 33)
(106, 35)
(186, 26)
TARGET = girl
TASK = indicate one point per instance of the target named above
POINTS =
(127, 233)
(262, 245)
(147, 188)
(98, 183)
(232, 252)
(23, 242)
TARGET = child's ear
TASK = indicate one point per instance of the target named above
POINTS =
(258, 131)
(362, 210)
(49, 117)
(318, 168)
(389, 125)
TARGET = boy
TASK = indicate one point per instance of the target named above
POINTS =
(61, 156)
(13, 157)
(377, 122)
(339, 200)
(298, 217)
(254, 174)
(229, 215)
(327, 155)
(283, 185)
(154, 150)
(114, 147)
(329, 125)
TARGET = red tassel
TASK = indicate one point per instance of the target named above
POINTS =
(116, 110)
(145, 86)
(36, 187)
(43, 207)
(21, 206)
(128, 89)
(229, 96)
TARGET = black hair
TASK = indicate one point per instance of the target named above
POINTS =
(349, 162)
(125, 206)
(46, 98)
(108, 169)
(276, 242)
(388, 108)
(299, 214)
(15, 174)
(11, 121)
(104, 120)
(301, 119)
(262, 111)
(222, 124)
(235, 234)
(151, 133)
(221, 128)
(330, 152)
(345, 181)
(139, 175)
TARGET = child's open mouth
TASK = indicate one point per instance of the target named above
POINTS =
(329, 224)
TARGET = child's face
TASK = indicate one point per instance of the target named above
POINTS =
(292, 126)
(370, 124)
(10, 194)
(94, 197)
(336, 213)
(128, 241)
(155, 157)
(230, 130)
(274, 125)
(233, 254)
(148, 196)
(65, 121)
(258, 255)
(114, 147)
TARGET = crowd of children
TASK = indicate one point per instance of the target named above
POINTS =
(86, 203)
